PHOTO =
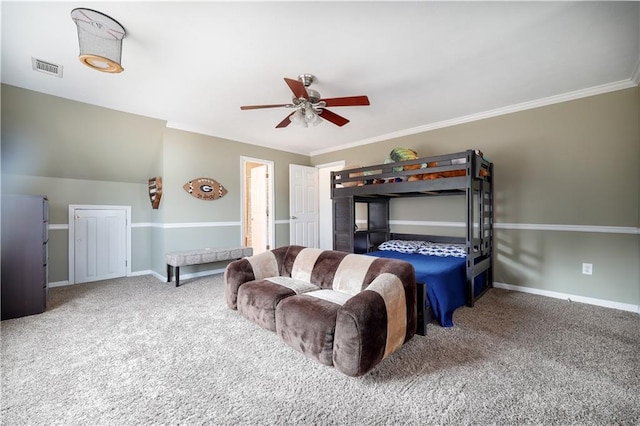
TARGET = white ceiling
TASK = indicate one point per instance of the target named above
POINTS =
(422, 64)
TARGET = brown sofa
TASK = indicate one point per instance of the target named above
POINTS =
(350, 311)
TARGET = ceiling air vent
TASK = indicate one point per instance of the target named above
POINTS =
(46, 67)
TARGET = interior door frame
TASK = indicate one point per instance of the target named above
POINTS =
(72, 239)
(271, 226)
(322, 214)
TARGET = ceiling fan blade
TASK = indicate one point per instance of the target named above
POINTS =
(297, 88)
(347, 101)
(285, 122)
(246, 107)
(333, 117)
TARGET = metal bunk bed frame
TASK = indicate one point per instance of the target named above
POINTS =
(464, 173)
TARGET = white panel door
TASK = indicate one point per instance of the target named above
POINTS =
(259, 210)
(100, 244)
(303, 205)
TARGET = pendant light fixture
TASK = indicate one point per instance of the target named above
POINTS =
(100, 38)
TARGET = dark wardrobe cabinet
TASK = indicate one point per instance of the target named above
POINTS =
(25, 231)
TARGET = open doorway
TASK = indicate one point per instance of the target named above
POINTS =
(258, 224)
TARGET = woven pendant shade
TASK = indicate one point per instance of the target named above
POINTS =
(100, 38)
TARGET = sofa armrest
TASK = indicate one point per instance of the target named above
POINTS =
(235, 274)
(257, 267)
(373, 324)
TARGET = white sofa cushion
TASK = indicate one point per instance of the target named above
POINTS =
(298, 286)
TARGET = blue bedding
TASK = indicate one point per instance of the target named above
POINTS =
(445, 279)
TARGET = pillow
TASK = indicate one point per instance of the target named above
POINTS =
(402, 246)
(443, 250)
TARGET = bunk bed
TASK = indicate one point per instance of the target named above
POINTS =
(445, 283)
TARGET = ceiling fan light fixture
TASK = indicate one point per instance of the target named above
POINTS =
(317, 120)
(309, 105)
(100, 39)
(310, 115)
(305, 115)
(297, 118)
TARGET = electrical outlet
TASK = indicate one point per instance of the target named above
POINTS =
(587, 268)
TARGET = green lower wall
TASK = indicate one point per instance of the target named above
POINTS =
(150, 237)
(552, 261)
(140, 253)
(59, 252)
(541, 259)
(157, 251)
(63, 192)
(58, 255)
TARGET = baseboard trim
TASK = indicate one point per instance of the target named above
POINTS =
(139, 273)
(150, 272)
(547, 293)
(132, 274)
(158, 276)
(570, 297)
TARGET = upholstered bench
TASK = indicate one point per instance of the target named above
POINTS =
(177, 259)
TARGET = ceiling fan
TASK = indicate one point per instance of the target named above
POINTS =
(309, 106)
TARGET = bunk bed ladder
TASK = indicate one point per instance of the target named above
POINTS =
(478, 192)
(489, 212)
(469, 193)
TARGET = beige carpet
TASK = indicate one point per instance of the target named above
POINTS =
(140, 351)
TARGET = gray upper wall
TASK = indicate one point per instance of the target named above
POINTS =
(190, 155)
(566, 163)
(48, 136)
(575, 162)
(45, 135)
